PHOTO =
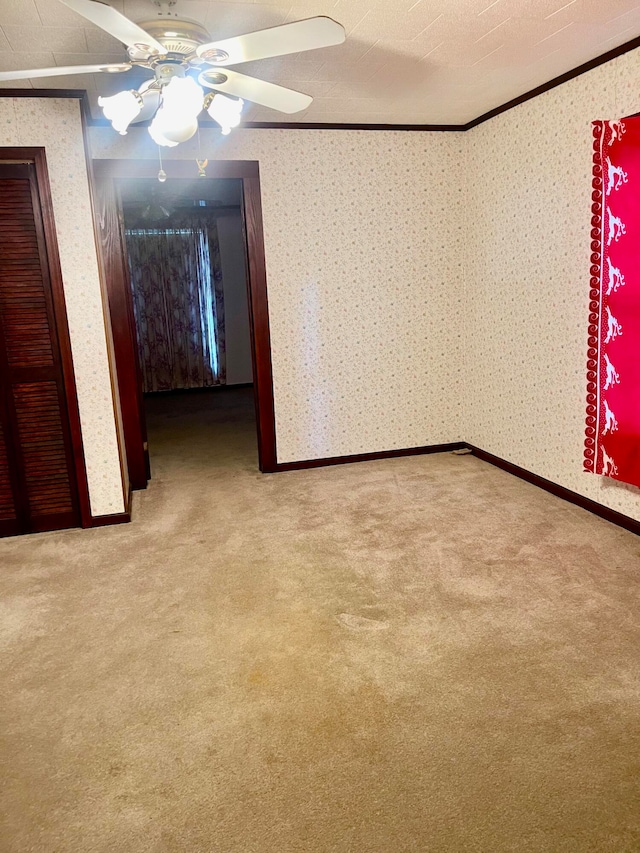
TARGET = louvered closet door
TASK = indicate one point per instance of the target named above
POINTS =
(38, 490)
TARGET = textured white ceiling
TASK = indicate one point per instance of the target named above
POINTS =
(404, 61)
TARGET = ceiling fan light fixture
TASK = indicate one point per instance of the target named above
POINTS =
(157, 130)
(177, 119)
(121, 109)
(182, 96)
(167, 131)
(227, 112)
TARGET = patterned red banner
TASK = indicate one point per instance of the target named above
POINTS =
(612, 445)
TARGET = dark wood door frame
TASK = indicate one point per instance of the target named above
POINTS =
(37, 156)
(107, 173)
(110, 239)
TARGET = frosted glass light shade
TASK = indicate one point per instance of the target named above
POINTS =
(177, 133)
(169, 130)
(177, 119)
(121, 109)
(157, 128)
(226, 111)
(182, 97)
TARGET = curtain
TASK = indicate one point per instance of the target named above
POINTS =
(612, 445)
(176, 280)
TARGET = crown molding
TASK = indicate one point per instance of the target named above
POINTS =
(81, 95)
(556, 81)
(285, 125)
(296, 125)
(43, 93)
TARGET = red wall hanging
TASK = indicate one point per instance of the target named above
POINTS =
(612, 445)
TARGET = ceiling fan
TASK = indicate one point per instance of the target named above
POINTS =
(180, 52)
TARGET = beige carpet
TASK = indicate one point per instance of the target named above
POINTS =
(420, 654)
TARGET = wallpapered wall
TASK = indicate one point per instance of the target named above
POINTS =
(423, 288)
(528, 220)
(55, 124)
(363, 243)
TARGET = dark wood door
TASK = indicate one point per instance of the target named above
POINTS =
(38, 487)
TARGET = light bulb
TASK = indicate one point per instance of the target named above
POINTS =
(162, 176)
(121, 109)
(225, 111)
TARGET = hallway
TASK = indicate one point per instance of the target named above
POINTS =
(208, 430)
(415, 654)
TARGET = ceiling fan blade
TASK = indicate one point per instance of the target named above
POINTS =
(276, 41)
(115, 23)
(259, 92)
(26, 74)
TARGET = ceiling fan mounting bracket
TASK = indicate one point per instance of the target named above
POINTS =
(164, 8)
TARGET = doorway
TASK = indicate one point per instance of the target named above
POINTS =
(129, 199)
(187, 260)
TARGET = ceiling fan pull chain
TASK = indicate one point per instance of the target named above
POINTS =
(162, 175)
(200, 163)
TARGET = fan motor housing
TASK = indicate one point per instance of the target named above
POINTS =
(176, 35)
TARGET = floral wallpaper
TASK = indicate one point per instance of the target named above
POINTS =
(364, 250)
(528, 220)
(423, 288)
(55, 124)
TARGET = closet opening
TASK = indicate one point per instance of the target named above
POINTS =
(43, 483)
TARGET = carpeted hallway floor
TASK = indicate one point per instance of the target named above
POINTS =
(419, 654)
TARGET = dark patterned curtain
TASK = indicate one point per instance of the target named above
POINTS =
(176, 279)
